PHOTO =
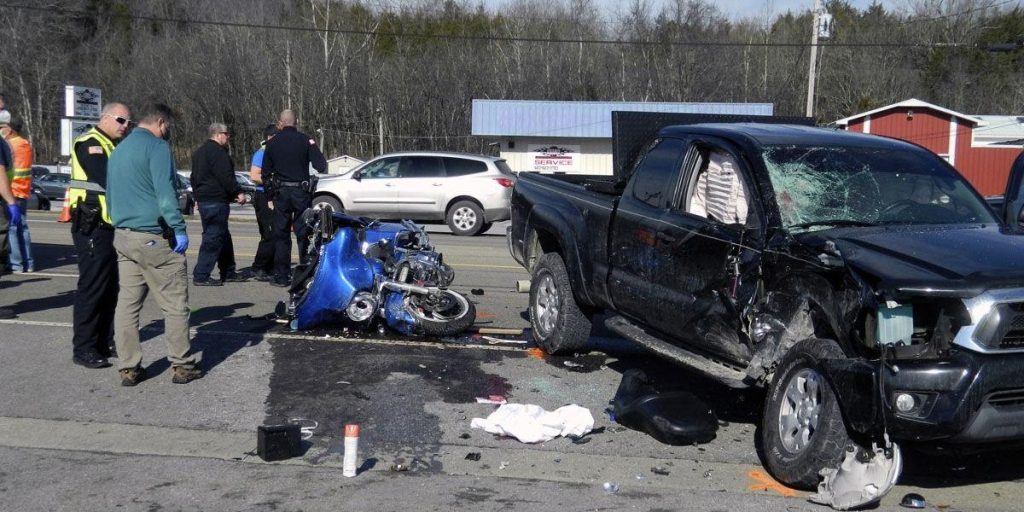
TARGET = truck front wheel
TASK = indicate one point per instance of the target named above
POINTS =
(558, 324)
(802, 431)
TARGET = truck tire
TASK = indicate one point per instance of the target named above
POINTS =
(465, 218)
(802, 431)
(558, 325)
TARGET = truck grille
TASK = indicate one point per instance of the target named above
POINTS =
(1007, 398)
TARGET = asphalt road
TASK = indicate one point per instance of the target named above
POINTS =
(73, 439)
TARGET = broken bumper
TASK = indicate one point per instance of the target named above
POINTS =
(965, 398)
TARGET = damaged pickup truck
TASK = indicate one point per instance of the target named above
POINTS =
(860, 280)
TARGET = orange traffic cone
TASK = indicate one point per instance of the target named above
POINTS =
(65, 212)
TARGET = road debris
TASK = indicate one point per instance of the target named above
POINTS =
(659, 470)
(861, 479)
(491, 399)
(913, 500)
(473, 456)
(532, 424)
(610, 488)
(676, 418)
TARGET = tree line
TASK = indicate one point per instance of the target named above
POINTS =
(347, 66)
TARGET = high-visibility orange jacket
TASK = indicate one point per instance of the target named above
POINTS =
(20, 173)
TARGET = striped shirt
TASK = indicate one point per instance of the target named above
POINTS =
(720, 193)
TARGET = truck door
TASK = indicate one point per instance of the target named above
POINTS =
(635, 225)
(703, 243)
(1013, 199)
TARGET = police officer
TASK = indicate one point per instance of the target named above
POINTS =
(286, 162)
(93, 236)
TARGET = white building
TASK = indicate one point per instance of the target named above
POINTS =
(342, 164)
(572, 137)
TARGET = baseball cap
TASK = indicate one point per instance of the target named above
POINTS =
(270, 130)
(5, 117)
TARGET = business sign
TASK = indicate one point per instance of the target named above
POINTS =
(553, 158)
(71, 129)
(82, 101)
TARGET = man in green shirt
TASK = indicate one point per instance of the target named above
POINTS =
(150, 241)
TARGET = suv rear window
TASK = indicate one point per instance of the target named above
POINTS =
(462, 167)
(503, 167)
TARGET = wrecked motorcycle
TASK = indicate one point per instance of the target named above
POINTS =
(361, 271)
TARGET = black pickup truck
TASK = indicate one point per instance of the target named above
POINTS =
(860, 279)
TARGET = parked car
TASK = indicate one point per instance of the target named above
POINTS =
(39, 171)
(53, 185)
(468, 192)
(37, 200)
(864, 283)
(248, 186)
(186, 202)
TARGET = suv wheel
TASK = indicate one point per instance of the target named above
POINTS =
(328, 200)
(465, 218)
(802, 431)
(558, 325)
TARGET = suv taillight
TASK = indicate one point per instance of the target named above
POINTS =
(505, 182)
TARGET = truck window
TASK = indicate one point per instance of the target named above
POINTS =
(822, 187)
(717, 191)
(654, 181)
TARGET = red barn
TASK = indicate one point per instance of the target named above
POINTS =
(982, 148)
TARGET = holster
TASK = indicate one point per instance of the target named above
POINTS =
(85, 219)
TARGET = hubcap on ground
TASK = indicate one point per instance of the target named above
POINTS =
(464, 218)
(546, 308)
(800, 410)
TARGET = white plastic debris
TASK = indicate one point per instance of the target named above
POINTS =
(532, 424)
(855, 484)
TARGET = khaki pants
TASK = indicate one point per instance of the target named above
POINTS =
(145, 263)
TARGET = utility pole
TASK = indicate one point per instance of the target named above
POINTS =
(814, 58)
(288, 70)
(380, 128)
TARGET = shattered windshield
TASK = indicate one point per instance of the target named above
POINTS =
(824, 187)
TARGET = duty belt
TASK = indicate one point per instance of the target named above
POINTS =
(293, 184)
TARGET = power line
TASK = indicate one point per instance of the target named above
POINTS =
(506, 39)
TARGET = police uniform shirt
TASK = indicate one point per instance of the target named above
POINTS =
(289, 154)
(94, 162)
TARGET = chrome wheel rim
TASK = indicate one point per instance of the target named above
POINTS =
(546, 308)
(800, 410)
(464, 218)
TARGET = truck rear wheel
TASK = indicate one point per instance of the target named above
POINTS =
(802, 431)
(558, 324)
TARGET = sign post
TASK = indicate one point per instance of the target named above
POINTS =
(82, 107)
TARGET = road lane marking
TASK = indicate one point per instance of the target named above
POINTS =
(197, 330)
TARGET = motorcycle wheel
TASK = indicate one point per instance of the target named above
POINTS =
(454, 315)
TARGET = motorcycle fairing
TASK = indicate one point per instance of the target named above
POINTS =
(341, 272)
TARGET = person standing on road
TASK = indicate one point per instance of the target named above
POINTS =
(263, 263)
(93, 235)
(19, 175)
(143, 200)
(286, 164)
(10, 215)
(215, 188)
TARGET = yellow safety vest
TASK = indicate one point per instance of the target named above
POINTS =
(78, 191)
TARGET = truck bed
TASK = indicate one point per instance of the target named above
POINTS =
(581, 207)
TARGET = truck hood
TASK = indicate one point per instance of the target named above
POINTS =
(958, 261)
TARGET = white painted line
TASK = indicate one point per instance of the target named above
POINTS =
(194, 331)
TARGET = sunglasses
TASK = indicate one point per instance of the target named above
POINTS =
(120, 120)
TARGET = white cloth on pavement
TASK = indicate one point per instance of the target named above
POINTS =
(532, 424)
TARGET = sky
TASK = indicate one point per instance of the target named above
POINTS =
(735, 9)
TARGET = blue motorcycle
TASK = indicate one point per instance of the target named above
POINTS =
(361, 271)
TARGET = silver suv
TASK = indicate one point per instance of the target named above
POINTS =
(468, 192)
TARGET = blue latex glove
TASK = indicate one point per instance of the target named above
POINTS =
(15, 214)
(180, 243)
